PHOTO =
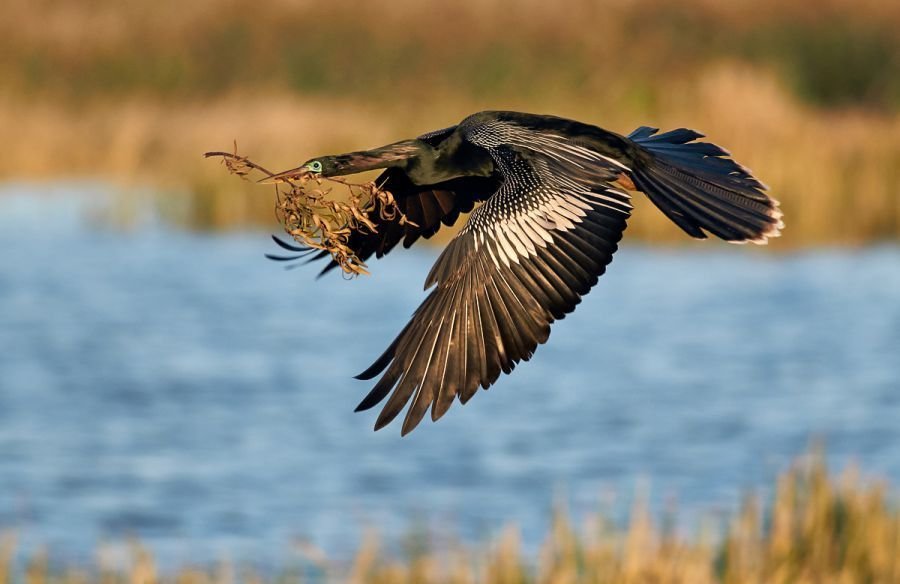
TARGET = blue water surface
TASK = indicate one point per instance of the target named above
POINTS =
(177, 387)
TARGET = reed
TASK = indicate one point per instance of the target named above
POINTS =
(817, 528)
(831, 52)
(805, 92)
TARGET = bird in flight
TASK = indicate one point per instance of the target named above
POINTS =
(551, 200)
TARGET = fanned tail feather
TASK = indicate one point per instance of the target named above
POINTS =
(702, 190)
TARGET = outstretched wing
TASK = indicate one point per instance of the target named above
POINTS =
(523, 260)
(427, 207)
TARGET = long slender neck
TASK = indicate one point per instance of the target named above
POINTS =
(423, 163)
(398, 154)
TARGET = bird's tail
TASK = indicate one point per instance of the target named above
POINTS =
(698, 187)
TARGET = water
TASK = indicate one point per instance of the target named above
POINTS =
(178, 387)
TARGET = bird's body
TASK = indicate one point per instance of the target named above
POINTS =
(555, 201)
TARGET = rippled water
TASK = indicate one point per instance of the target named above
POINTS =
(179, 387)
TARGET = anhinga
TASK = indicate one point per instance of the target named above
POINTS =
(555, 203)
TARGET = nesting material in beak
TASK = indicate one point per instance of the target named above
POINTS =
(317, 221)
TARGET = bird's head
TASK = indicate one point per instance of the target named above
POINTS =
(321, 166)
(325, 166)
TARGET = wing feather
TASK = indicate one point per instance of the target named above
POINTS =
(524, 259)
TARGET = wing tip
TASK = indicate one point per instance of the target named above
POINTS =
(383, 420)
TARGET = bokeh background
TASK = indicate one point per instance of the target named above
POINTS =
(160, 381)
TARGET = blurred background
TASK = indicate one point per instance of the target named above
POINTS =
(160, 380)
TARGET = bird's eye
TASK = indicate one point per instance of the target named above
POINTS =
(315, 166)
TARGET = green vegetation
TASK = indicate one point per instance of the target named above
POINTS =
(803, 92)
(816, 529)
(838, 53)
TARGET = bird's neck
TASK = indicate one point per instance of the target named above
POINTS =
(417, 158)
(392, 155)
(423, 163)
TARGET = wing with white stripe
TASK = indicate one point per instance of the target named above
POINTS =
(524, 259)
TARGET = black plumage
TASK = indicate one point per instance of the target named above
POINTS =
(555, 200)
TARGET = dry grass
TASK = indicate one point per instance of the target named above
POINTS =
(817, 529)
(837, 176)
(805, 93)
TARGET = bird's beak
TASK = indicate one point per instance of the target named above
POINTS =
(287, 175)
